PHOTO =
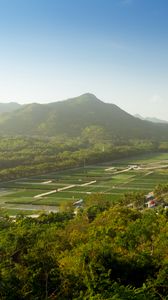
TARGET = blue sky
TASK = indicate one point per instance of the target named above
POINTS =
(56, 49)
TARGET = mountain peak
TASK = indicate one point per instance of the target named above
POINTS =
(86, 98)
(88, 95)
(72, 116)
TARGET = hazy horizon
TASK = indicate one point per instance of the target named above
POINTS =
(116, 49)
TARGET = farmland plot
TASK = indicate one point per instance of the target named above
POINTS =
(111, 179)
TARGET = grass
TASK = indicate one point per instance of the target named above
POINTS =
(17, 212)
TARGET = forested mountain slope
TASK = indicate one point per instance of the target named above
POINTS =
(71, 117)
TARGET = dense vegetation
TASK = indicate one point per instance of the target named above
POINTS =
(73, 116)
(103, 253)
(25, 156)
(106, 251)
(36, 138)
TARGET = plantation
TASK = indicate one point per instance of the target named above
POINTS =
(113, 179)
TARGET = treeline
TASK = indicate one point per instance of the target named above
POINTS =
(25, 156)
(104, 253)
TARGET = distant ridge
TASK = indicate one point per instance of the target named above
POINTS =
(8, 107)
(151, 119)
(71, 117)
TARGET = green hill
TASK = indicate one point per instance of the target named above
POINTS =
(8, 107)
(72, 116)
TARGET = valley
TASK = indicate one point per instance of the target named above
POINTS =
(50, 192)
(83, 150)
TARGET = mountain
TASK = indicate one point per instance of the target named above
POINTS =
(9, 107)
(151, 119)
(70, 117)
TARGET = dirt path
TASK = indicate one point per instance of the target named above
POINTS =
(45, 194)
(110, 168)
(54, 191)
(88, 183)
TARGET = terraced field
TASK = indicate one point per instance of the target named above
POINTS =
(113, 179)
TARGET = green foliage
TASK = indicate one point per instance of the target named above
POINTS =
(136, 200)
(161, 189)
(75, 116)
(121, 253)
(25, 156)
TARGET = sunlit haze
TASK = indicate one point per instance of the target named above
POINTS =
(51, 50)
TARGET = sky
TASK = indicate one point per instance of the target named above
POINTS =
(52, 50)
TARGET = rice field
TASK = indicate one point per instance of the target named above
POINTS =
(112, 179)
